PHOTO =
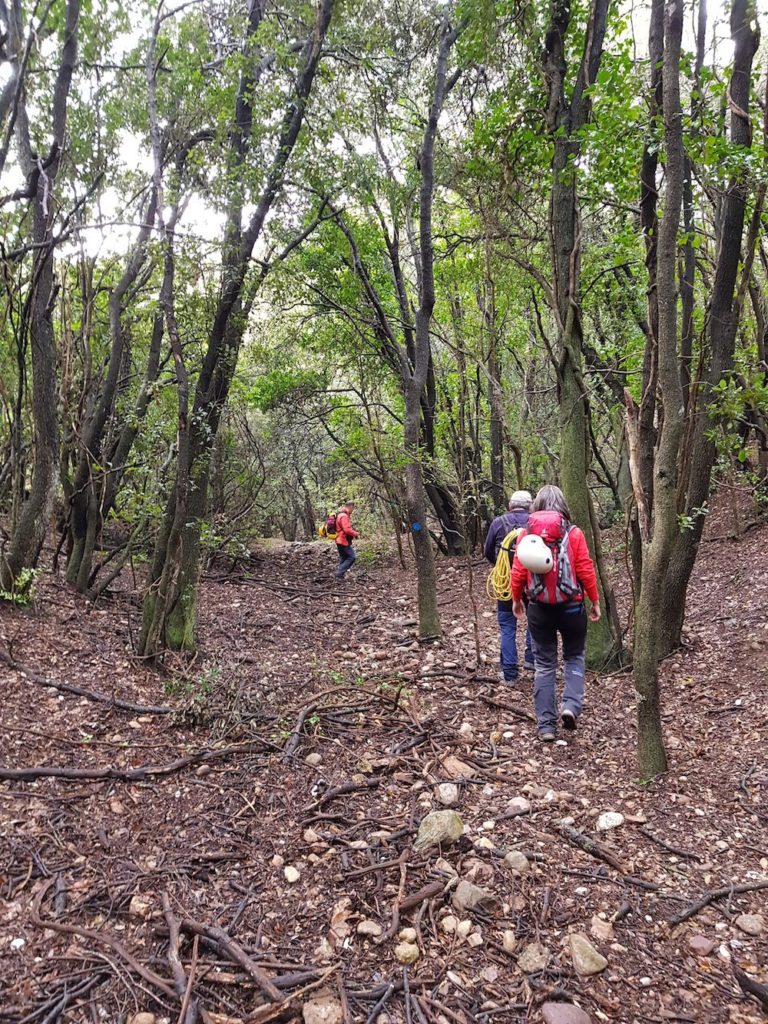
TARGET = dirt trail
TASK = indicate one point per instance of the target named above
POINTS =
(216, 842)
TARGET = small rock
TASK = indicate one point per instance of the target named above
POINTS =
(701, 945)
(203, 770)
(509, 941)
(468, 896)
(313, 760)
(475, 939)
(601, 929)
(466, 731)
(292, 874)
(518, 863)
(142, 1018)
(439, 827)
(138, 907)
(608, 820)
(484, 843)
(586, 959)
(448, 794)
(277, 861)
(564, 1013)
(750, 924)
(369, 929)
(455, 768)
(311, 837)
(463, 928)
(323, 1008)
(518, 805)
(443, 865)
(534, 958)
(407, 952)
(408, 935)
(449, 924)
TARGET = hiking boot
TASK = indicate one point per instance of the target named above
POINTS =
(507, 680)
(547, 735)
(529, 666)
(568, 719)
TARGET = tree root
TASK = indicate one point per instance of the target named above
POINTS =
(79, 691)
(126, 774)
(710, 897)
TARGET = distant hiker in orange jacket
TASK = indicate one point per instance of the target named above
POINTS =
(345, 534)
(552, 567)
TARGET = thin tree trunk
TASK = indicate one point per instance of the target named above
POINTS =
(29, 534)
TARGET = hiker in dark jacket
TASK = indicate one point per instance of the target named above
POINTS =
(345, 534)
(515, 519)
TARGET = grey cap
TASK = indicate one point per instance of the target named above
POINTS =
(521, 499)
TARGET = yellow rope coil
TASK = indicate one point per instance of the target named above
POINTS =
(499, 582)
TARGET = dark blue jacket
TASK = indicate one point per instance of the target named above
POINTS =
(499, 529)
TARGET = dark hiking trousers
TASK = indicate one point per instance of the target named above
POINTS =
(508, 637)
(347, 556)
(545, 622)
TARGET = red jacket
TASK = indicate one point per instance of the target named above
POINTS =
(345, 534)
(583, 567)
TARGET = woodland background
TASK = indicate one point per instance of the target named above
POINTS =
(260, 258)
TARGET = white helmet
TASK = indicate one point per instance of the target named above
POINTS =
(534, 555)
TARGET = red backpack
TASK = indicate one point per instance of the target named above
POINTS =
(554, 529)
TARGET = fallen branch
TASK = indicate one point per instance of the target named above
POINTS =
(99, 939)
(79, 691)
(668, 846)
(294, 739)
(189, 1013)
(234, 952)
(591, 846)
(710, 897)
(415, 898)
(125, 774)
(347, 787)
(751, 987)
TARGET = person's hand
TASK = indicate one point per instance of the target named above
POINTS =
(594, 612)
(518, 609)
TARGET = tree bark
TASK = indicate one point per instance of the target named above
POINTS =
(29, 535)
(565, 119)
(721, 330)
(648, 618)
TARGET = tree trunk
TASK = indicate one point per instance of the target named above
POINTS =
(171, 622)
(29, 535)
(648, 614)
(429, 615)
(722, 327)
(564, 121)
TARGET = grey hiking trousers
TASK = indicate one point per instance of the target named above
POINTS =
(545, 622)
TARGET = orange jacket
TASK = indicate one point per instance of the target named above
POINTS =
(583, 568)
(345, 534)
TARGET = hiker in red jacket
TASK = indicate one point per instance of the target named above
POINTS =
(555, 572)
(345, 534)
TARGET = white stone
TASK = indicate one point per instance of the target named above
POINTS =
(448, 794)
(608, 820)
(509, 941)
(449, 924)
(408, 935)
(313, 760)
(292, 874)
(322, 1008)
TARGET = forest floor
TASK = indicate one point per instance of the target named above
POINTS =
(269, 875)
